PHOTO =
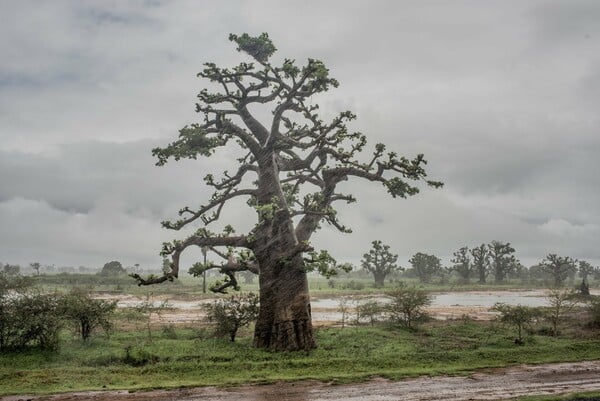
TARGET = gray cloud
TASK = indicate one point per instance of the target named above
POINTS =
(501, 97)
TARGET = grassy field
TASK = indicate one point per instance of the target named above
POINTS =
(188, 286)
(192, 357)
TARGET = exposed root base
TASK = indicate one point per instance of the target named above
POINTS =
(290, 335)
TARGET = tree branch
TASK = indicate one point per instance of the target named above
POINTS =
(178, 247)
(218, 201)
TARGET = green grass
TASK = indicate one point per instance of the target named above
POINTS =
(188, 286)
(344, 355)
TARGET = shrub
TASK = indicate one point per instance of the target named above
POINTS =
(372, 311)
(169, 332)
(594, 309)
(518, 316)
(354, 285)
(561, 302)
(26, 318)
(87, 314)
(29, 320)
(343, 309)
(231, 313)
(407, 305)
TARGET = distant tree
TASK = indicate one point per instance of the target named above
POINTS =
(36, 267)
(518, 316)
(425, 266)
(380, 262)
(519, 271)
(11, 270)
(113, 268)
(560, 302)
(538, 274)
(136, 268)
(232, 313)
(481, 262)
(86, 313)
(558, 267)
(586, 270)
(10, 283)
(462, 264)
(502, 260)
(407, 305)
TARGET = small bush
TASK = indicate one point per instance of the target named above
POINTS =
(87, 314)
(232, 313)
(139, 357)
(594, 310)
(372, 311)
(169, 332)
(354, 285)
(519, 316)
(29, 320)
(407, 305)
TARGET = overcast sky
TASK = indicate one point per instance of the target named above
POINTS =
(502, 97)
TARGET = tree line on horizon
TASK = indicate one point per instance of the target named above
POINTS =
(494, 260)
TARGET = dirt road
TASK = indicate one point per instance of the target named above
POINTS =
(496, 384)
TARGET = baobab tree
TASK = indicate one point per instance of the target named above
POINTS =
(380, 262)
(288, 171)
(425, 266)
(481, 261)
(502, 260)
(462, 264)
(36, 266)
(559, 267)
(586, 269)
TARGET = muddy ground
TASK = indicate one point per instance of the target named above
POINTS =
(495, 384)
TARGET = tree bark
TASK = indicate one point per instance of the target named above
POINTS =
(482, 274)
(284, 319)
(379, 279)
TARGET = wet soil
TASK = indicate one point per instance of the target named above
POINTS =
(493, 384)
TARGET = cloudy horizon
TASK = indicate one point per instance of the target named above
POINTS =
(501, 97)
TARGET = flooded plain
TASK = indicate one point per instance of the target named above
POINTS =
(325, 311)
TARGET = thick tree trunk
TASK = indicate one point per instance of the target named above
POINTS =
(284, 320)
(379, 279)
(482, 274)
(499, 276)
